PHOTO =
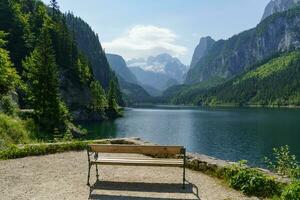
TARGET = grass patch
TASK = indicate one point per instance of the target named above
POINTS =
(14, 151)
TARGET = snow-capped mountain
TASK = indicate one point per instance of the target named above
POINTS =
(163, 64)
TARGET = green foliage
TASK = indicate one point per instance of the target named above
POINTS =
(250, 181)
(9, 79)
(284, 163)
(14, 130)
(42, 75)
(99, 102)
(292, 191)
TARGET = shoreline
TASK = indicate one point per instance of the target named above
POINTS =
(212, 106)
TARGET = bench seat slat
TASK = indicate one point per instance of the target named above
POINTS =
(139, 162)
(136, 149)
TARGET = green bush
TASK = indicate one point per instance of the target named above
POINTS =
(292, 191)
(284, 163)
(13, 130)
(251, 181)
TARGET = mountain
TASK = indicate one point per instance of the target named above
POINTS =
(201, 49)
(227, 58)
(133, 92)
(272, 82)
(279, 6)
(159, 71)
(118, 64)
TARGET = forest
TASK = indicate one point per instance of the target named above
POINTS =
(46, 81)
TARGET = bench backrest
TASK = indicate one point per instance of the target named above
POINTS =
(136, 149)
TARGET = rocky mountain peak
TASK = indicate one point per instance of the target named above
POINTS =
(275, 6)
(201, 49)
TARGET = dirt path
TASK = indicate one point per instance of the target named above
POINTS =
(63, 176)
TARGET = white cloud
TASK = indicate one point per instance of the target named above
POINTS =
(144, 41)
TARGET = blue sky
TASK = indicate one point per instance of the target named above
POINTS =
(139, 28)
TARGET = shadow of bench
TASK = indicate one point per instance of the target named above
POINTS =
(140, 187)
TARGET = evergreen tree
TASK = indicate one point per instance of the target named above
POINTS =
(112, 110)
(43, 83)
(99, 102)
(55, 7)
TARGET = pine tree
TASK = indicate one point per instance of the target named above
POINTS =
(112, 110)
(43, 83)
(55, 7)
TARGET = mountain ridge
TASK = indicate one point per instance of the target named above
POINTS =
(227, 58)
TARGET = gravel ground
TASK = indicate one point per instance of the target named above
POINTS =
(63, 176)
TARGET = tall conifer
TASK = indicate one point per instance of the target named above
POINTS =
(43, 82)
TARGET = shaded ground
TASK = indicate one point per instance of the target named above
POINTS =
(63, 176)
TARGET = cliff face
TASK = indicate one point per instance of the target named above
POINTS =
(118, 64)
(227, 58)
(279, 6)
(201, 49)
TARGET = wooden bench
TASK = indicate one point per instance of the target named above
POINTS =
(94, 158)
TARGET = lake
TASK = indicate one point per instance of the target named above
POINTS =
(226, 133)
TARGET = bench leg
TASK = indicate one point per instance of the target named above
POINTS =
(97, 173)
(183, 181)
(88, 178)
(184, 163)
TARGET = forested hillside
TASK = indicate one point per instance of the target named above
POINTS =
(88, 42)
(272, 82)
(42, 70)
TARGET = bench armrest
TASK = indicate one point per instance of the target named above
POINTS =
(90, 154)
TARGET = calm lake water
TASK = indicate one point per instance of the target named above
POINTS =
(226, 133)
